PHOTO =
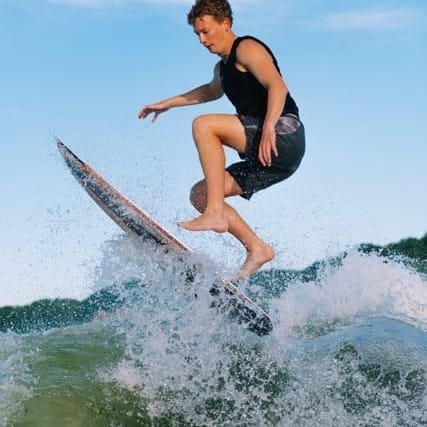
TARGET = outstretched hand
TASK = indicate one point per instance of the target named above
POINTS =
(155, 109)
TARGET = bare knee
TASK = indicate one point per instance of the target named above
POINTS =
(198, 196)
(201, 127)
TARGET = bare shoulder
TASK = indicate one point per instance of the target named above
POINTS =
(251, 45)
(250, 49)
(248, 43)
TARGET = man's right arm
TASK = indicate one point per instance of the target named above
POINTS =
(204, 93)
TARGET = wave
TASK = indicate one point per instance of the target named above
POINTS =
(348, 347)
(54, 313)
(46, 314)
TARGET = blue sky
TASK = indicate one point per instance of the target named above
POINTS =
(81, 70)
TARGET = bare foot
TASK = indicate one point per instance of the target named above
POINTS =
(206, 222)
(257, 257)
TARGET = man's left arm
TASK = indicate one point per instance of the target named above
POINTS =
(255, 59)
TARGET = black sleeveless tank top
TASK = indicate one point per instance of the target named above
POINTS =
(244, 91)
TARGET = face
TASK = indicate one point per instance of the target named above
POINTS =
(212, 34)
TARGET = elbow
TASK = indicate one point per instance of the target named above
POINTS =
(278, 87)
(283, 88)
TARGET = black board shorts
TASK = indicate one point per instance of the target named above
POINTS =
(250, 174)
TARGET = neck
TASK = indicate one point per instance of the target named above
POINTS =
(227, 46)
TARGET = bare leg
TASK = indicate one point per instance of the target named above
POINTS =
(258, 252)
(210, 132)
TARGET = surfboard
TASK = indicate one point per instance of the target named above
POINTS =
(135, 222)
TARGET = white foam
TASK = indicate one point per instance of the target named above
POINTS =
(363, 285)
(180, 355)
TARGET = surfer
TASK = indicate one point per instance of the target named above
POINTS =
(265, 131)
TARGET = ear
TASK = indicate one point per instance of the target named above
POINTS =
(227, 23)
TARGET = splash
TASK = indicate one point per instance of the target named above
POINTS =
(192, 363)
(150, 347)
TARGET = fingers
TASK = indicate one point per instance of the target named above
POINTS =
(264, 155)
(146, 111)
(267, 146)
(265, 152)
(154, 109)
(155, 115)
(274, 148)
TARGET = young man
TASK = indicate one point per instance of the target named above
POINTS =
(266, 131)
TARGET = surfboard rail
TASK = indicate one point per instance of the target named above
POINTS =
(125, 213)
(134, 221)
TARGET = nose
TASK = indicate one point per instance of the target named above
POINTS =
(202, 38)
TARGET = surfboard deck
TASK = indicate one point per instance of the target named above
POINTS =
(135, 222)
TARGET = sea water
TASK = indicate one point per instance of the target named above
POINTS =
(147, 348)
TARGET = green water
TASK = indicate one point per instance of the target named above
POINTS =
(348, 349)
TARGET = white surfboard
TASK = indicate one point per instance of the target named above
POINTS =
(134, 221)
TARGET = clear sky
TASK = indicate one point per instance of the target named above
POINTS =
(82, 69)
